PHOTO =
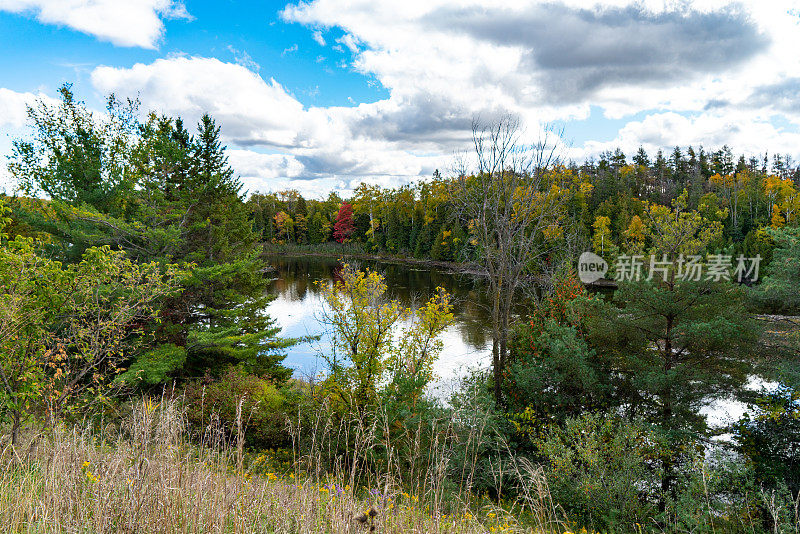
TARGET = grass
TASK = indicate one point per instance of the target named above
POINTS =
(143, 476)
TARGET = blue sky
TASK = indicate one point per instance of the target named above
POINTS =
(35, 55)
(323, 95)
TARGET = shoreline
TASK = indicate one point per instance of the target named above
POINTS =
(444, 266)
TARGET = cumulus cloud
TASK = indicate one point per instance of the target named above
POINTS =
(253, 111)
(575, 51)
(445, 63)
(746, 132)
(124, 23)
(13, 106)
(273, 136)
(555, 57)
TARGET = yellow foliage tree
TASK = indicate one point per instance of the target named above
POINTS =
(602, 234)
(635, 236)
(366, 348)
(777, 220)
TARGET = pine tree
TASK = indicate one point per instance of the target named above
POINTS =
(677, 344)
(221, 311)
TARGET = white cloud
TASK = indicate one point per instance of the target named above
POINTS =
(746, 132)
(6, 181)
(327, 147)
(122, 22)
(446, 62)
(13, 106)
(244, 59)
(619, 55)
(317, 35)
(250, 109)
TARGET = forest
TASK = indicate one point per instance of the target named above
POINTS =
(143, 386)
(745, 195)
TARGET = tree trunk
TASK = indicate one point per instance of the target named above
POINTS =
(497, 369)
(16, 423)
(667, 475)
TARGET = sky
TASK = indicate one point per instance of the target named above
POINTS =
(321, 95)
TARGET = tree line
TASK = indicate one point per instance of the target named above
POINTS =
(745, 194)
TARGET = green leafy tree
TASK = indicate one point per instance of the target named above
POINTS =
(769, 436)
(591, 462)
(780, 288)
(554, 373)
(78, 158)
(163, 195)
(65, 330)
(367, 350)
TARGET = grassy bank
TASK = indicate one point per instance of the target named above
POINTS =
(143, 476)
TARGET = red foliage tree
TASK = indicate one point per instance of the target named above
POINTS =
(343, 228)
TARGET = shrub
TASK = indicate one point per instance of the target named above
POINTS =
(264, 409)
(601, 471)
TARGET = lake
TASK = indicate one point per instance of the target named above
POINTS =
(467, 342)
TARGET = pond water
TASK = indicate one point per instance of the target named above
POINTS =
(467, 342)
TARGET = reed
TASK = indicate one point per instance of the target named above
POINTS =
(142, 475)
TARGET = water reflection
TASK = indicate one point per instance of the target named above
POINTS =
(467, 343)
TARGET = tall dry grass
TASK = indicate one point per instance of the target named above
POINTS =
(143, 476)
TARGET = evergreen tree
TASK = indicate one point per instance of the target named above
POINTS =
(677, 343)
(555, 374)
(780, 289)
(163, 196)
(221, 310)
(641, 158)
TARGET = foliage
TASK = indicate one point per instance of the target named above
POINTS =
(591, 462)
(75, 158)
(367, 346)
(674, 344)
(555, 373)
(770, 439)
(261, 406)
(515, 205)
(162, 195)
(601, 400)
(780, 290)
(343, 228)
(66, 330)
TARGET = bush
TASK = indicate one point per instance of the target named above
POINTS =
(264, 411)
(602, 471)
(770, 439)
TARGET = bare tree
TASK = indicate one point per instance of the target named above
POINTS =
(511, 204)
